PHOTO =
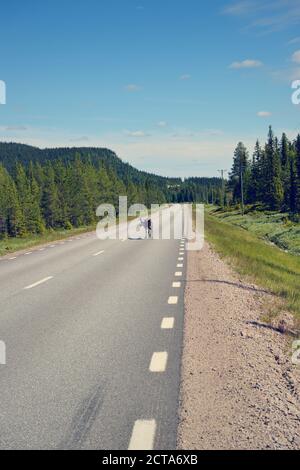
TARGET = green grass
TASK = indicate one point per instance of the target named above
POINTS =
(274, 227)
(267, 265)
(10, 245)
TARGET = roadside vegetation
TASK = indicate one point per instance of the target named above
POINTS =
(257, 225)
(266, 265)
(10, 245)
(274, 227)
(57, 189)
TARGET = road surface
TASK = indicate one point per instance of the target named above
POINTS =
(93, 333)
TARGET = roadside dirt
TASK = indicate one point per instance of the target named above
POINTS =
(239, 387)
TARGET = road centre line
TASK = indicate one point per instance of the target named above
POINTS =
(42, 281)
(99, 253)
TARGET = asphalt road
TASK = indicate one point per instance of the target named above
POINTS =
(82, 320)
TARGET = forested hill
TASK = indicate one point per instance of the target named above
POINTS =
(12, 153)
(62, 188)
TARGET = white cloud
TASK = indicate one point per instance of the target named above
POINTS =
(296, 57)
(246, 64)
(136, 134)
(83, 138)
(287, 74)
(264, 114)
(12, 128)
(294, 41)
(186, 76)
(268, 16)
(162, 124)
(239, 8)
(132, 87)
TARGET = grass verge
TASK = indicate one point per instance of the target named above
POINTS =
(275, 227)
(266, 265)
(10, 245)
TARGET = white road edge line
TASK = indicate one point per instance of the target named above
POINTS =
(167, 323)
(14, 257)
(158, 362)
(173, 300)
(143, 435)
(39, 282)
(176, 284)
(99, 253)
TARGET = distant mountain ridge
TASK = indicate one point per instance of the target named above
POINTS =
(11, 153)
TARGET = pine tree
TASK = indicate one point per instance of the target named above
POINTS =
(239, 176)
(50, 203)
(293, 184)
(273, 184)
(11, 217)
(29, 196)
(297, 176)
(285, 157)
(255, 184)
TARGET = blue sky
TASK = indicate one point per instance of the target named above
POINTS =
(170, 85)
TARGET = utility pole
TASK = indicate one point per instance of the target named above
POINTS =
(223, 186)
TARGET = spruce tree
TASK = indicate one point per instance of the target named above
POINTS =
(297, 148)
(239, 176)
(273, 184)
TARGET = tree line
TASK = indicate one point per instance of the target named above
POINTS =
(58, 195)
(271, 178)
(62, 188)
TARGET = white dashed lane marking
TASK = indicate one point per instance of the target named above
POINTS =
(99, 253)
(178, 274)
(176, 284)
(159, 362)
(167, 323)
(143, 435)
(173, 300)
(42, 281)
(179, 265)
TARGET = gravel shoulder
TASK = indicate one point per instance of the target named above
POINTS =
(239, 388)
